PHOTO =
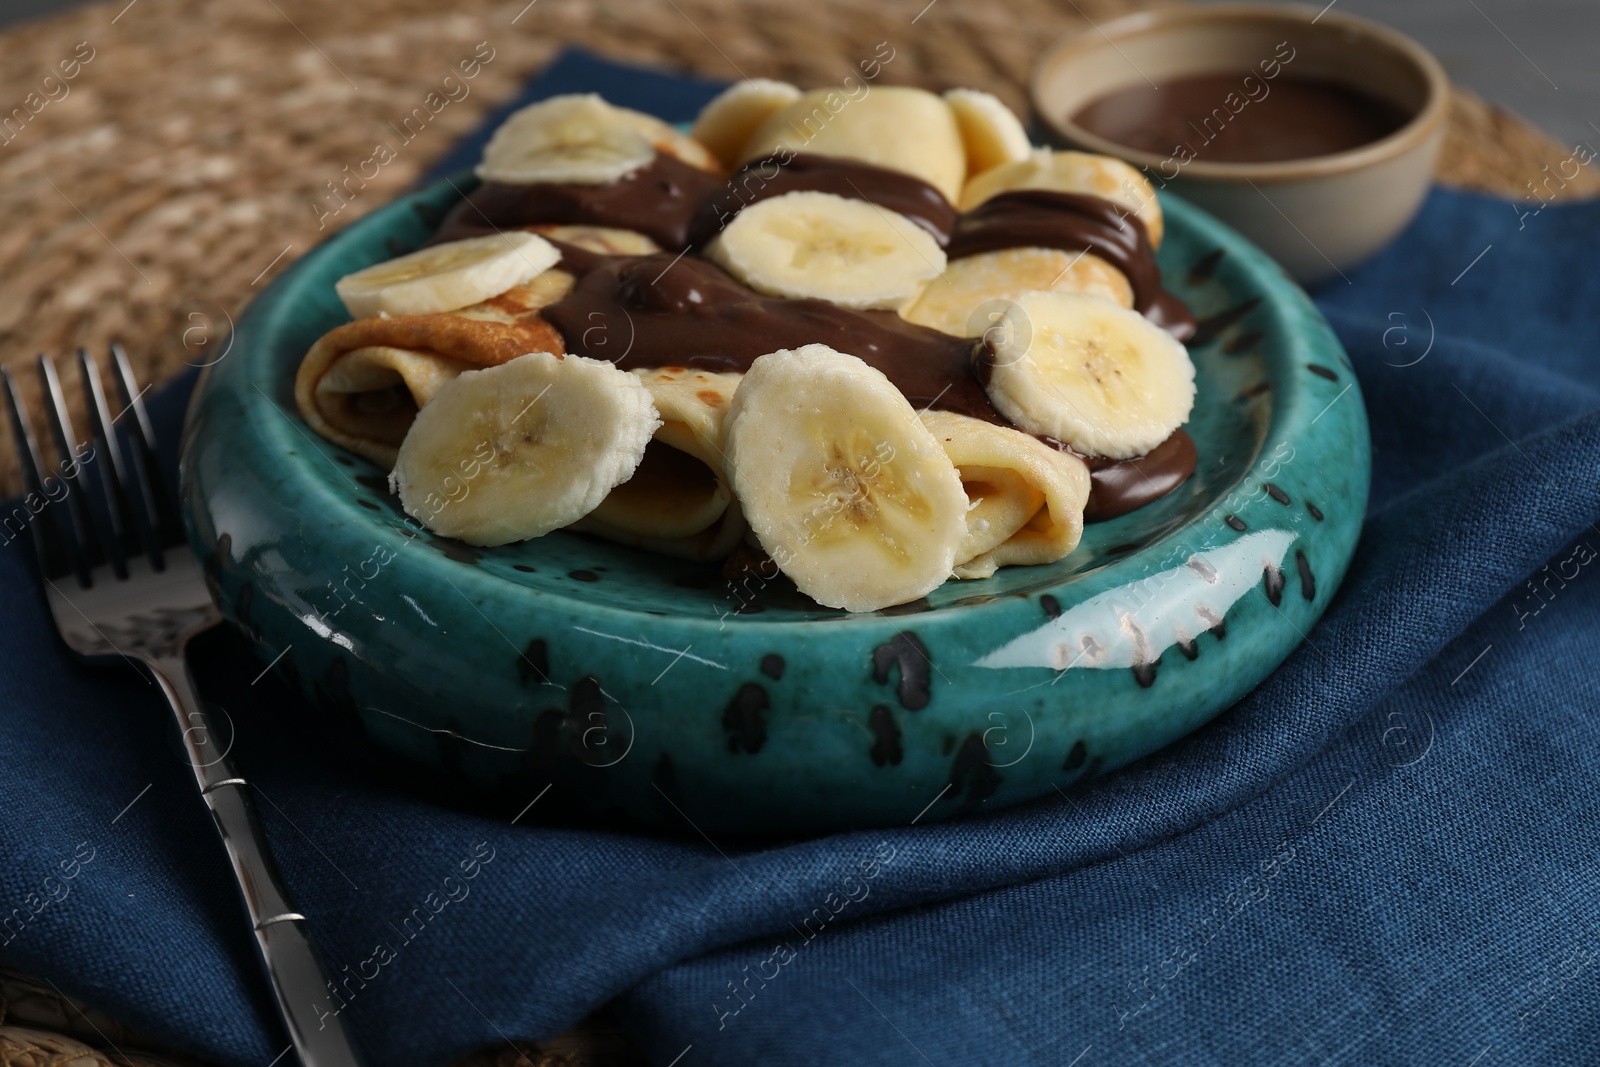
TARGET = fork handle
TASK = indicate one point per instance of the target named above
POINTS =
(311, 1011)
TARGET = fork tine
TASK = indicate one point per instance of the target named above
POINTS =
(52, 555)
(132, 397)
(125, 490)
(161, 517)
(71, 469)
(105, 450)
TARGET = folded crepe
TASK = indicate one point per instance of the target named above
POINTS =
(679, 501)
(1025, 499)
(362, 383)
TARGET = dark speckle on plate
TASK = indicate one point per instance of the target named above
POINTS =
(907, 652)
(1243, 343)
(971, 774)
(745, 719)
(1208, 329)
(1273, 577)
(533, 665)
(459, 551)
(1308, 581)
(885, 737)
(1205, 266)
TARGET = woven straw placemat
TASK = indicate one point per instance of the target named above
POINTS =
(183, 164)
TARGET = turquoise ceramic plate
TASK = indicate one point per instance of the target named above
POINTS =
(654, 687)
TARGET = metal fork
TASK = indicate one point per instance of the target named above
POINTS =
(123, 586)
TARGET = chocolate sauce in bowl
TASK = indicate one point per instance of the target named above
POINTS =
(766, 178)
(1221, 119)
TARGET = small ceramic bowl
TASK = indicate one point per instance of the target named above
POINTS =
(1318, 217)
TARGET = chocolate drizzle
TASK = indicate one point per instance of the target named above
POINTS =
(766, 178)
(1045, 218)
(673, 310)
(1117, 487)
(579, 261)
(688, 313)
(657, 200)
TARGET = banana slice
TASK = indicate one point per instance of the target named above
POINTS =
(448, 276)
(846, 490)
(575, 138)
(1081, 369)
(811, 244)
(667, 138)
(605, 240)
(725, 124)
(968, 298)
(1073, 172)
(515, 451)
(991, 132)
(902, 129)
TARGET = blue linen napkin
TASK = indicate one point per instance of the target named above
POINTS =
(1387, 853)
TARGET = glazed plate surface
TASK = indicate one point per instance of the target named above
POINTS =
(657, 688)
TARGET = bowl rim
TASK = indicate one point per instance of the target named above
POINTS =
(1426, 123)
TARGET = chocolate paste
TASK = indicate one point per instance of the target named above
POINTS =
(1117, 487)
(580, 261)
(668, 309)
(762, 179)
(657, 200)
(663, 311)
(1214, 117)
(689, 313)
(1045, 218)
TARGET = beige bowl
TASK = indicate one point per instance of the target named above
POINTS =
(1318, 217)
